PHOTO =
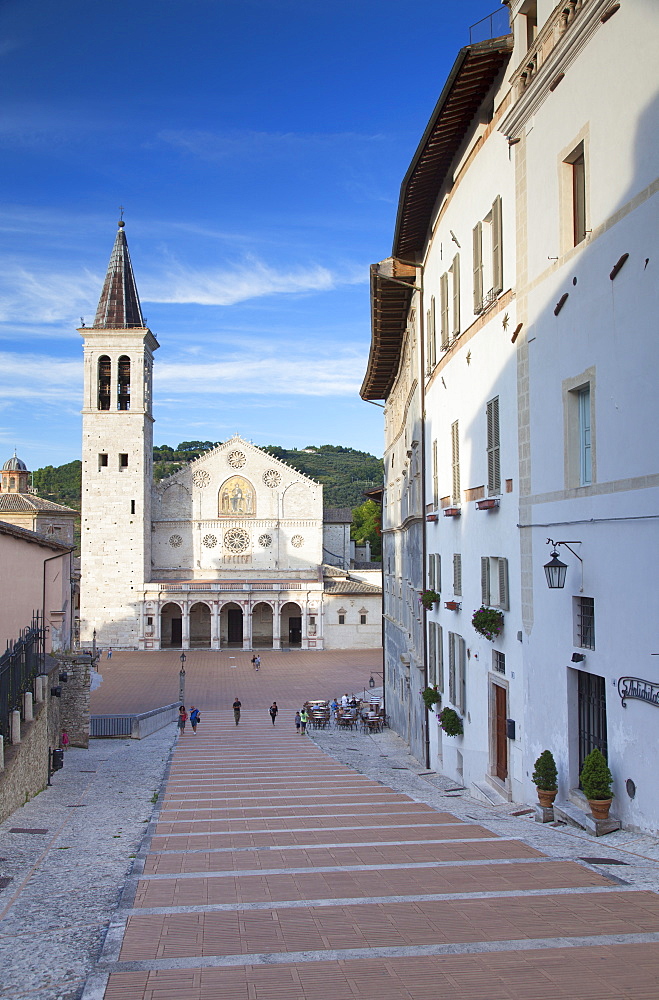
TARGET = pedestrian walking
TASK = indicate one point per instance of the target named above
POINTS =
(109, 654)
(65, 740)
(254, 661)
(304, 718)
(298, 722)
(273, 712)
(195, 719)
(182, 719)
(257, 662)
(236, 709)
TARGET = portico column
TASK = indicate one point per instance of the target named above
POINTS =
(276, 625)
(304, 644)
(215, 625)
(157, 624)
(247, 624)
(185, 625)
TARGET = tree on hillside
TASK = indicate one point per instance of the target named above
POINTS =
(367, 526)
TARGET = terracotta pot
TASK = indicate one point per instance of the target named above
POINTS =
(546, 798)
(600, 808)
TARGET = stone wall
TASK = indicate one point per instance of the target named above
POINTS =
(74, 703)
(25, 772)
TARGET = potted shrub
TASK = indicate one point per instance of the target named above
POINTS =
(430, 697)
(545, 778)
(488, 622)
(596, 780)
(451, 722)
(429, 598)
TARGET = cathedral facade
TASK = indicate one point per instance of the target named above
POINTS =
(232, 551)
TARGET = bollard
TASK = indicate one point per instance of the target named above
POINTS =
(27, 706)
(15, 726)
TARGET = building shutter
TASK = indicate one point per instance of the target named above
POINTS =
(432, 653)
(493, 449)
(478, 267)
(462, 675)
(438, 574)
(431, 573)
(455, 462)
(451, 668)
(485, 580)
(457, 574)
(455, 268)
(503, 584)
(440, 658)
(435, 476)
(428, 342)
(497, 246)
(443, 307)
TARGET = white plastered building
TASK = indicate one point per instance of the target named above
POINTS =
(226, 553)
(521, 281)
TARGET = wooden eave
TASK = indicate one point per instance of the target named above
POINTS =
(392, 286)
(474, 71)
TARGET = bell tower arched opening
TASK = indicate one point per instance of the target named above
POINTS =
(123, 383)
(104, 379)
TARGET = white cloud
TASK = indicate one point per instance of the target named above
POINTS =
(39, 376)
(294, 375)
(37, 294)
(250, 143)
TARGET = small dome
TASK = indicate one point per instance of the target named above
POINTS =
(14, 464)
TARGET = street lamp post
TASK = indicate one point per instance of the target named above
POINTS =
(181, 681)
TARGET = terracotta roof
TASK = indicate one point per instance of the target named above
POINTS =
(337, 515)
(31, 504)
(33, 536)
(350, 587)
(473, 73)
(119, 305)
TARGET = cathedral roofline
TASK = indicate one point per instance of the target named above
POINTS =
(119, 305)
(230, 443)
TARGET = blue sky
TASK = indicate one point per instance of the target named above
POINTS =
(258, 148)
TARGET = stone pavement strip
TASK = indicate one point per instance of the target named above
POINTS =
(274, 871)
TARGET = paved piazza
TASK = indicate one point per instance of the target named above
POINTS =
(280, 867)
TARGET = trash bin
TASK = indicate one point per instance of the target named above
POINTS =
(57, 759)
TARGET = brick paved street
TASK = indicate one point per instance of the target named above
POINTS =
(275, 872)
(138, 682)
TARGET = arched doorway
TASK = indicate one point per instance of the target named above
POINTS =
(200, 626)
(262, 626)
(231, 626)
(291, 625)
(171, 627)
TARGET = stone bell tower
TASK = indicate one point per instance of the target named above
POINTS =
(117, 459)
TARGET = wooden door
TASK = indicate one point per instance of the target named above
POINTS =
(501, 738)
(177, 632)
(234, 625)
(295, 631)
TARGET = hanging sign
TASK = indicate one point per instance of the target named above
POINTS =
(636, 687)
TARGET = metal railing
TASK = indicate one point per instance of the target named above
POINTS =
(137, 726)
(494, 25)
(19, 665)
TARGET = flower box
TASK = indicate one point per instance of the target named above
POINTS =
(452, 512)
(490, 504)
(432, 517)
(452, 605)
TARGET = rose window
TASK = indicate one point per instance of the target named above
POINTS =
(272, 478)
(210, 541)
(297, 541)
(201, 478)
(236, 540)
(175, 541)
(265, 541)
(236, 459)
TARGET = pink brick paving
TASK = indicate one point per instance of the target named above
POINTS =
(232, 794)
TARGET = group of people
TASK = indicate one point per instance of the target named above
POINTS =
(301, 720)
(256, 661)
(195, 718)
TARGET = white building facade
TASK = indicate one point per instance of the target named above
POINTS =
(225, 553)
(528, 219)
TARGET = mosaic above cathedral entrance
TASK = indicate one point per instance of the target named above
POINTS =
(237, 497)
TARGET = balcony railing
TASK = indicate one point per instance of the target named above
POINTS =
(494, 25)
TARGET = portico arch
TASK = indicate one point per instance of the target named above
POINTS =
(200, 626)
(171, 626)
(262, 625)
(291, 625)
(231, 626)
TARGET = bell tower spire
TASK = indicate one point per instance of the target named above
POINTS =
(117, 459)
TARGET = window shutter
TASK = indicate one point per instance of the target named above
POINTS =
(455, 268)
(485, 580)
(493, 449)
(457, 574)
(431, 572)
(443, 307)
(451, 668)
(432, 653)
(438, 574)
(440, 658)
(435, 476)
(428, 342)
(478, 267)
(455, 462)
(497, 246)
(433, 334)
(462, 675)
(503, 584)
